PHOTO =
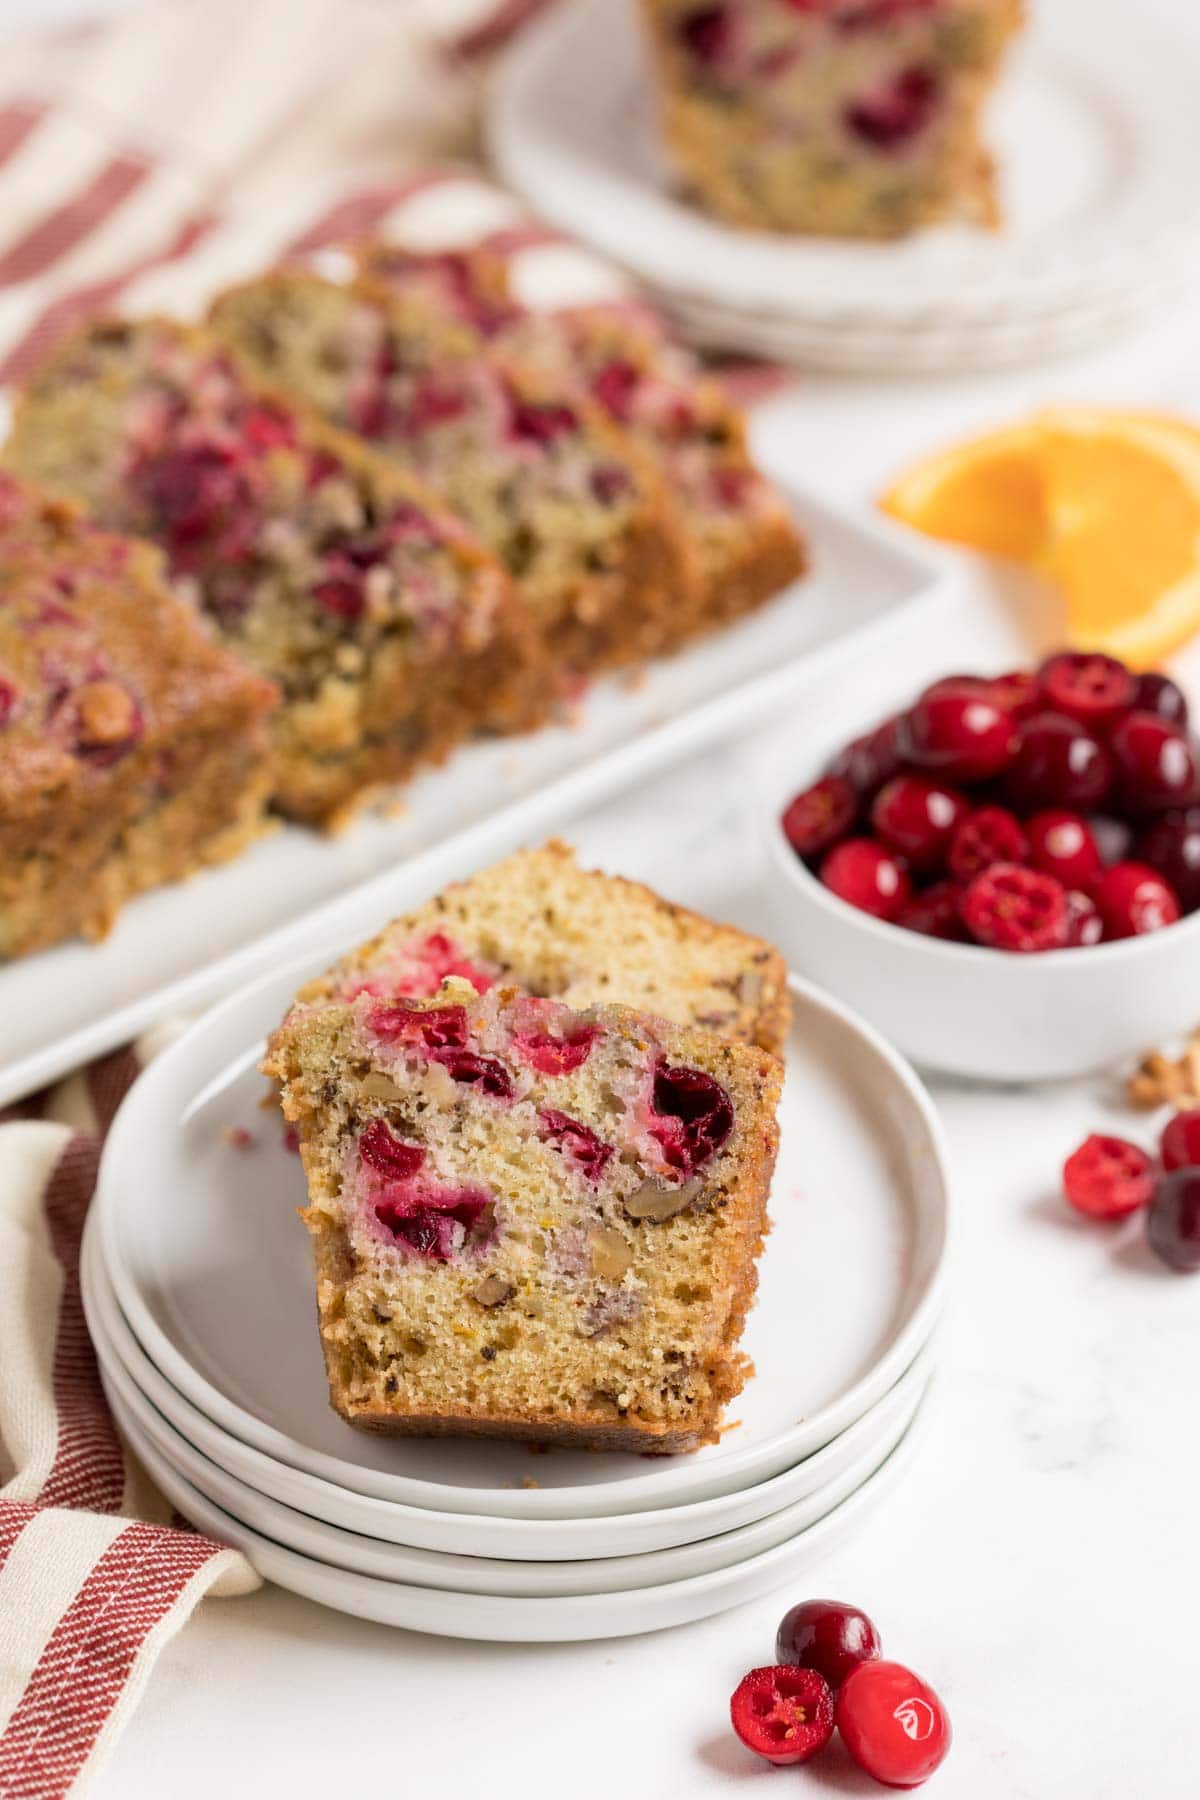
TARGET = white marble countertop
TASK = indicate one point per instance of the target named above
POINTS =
(1037, 1562)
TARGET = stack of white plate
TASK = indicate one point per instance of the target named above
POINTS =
(1094, 127)
(198, 1294)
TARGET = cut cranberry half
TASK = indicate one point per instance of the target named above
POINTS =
(958, 732)
(1173, 1222)
(1107, 1178)
(533, 422)
(1158, 765)
(784, 1714)
(1172, 846)
(867, 875)
(590, 1154)
(1094, 689)
(821, 815)
(1012, 908)
(693, 1116)
(469, 1069)
(387, 1154)
(935, 912)
(614, 387)
(892, 115)
(985, 837)
(1058, 763)
(203, 501)
(551, 1055)
(1158, 694)
(828, 1636)
(1133, 900)
(433, 1027)
(1180, 1142)
(1061, 844)
(707, 32)
(436, 1223)
(893, 1724)
(916, 816)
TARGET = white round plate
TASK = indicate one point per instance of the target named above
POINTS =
(469, 1535)
(1094, 125)
(143, 1426)
(212, 1272)
(503, 1619)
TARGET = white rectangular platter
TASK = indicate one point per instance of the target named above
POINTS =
(180, 947)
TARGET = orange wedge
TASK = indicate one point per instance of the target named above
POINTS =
(1107, 504)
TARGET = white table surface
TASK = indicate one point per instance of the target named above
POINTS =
(1039, 1563)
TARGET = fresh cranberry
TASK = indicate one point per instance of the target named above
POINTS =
(434, 1222)
(388, 1154)
(1016, 692)
(870, 760)
(615, 387)
(1089, 687)
(9, 695)
(828, 1636)
(893, 1724)
(822, 814)
(1061, 844)
(1133, 899)
(1114, 838)
(537, 422)
(551, 1055)
(470, 1069)
(917, 817)
(935, 912)
(1058, 763)
(1085, 927)
(1158, 765)
(987, 836)
(783, 1714)
(958, 732)
(589, 1153)
(1180, 1142)
(896, 112)
(1107, 1177)
(1011, 908)
(707, 32)
(1159, 694)
(1172, 846)
(866, 875)
(693, 1116)
(1173, 1222)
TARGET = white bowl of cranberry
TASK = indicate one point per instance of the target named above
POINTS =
(1005, 877)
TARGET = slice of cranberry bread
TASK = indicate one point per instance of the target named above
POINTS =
(572, 508)
(391, 633)
(540, 922)
(133, 750)
(529, 1221)
(741, 541)
(848, 117)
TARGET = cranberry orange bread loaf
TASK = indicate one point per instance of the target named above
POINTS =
(849, 117)
(529, 1221)
(571, 507)
(540, 922)
(390, 633)
(132, 749)
(740, 539)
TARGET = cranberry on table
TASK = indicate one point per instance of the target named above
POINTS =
(867, 875)
(828, 1636)
(1180, 1141)
(916, 816)
(935, 912)
(959, 732)
(1058, 763)
(1133, 899)
(893, 1724)
(1157, 764)
(1173, 1222)
(1061, 844)
(784, 1714)
(1171, 845)
(821, 815)
(1158, 694)
(988, 835)
(1012, 908)
(1089, 687)
(1108, 1178)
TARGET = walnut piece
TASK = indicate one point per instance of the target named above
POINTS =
(610, 1254)
(492, 1291)
(1161, 1080)
(655, 1203)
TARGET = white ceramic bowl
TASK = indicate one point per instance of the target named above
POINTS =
(963, 1009)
